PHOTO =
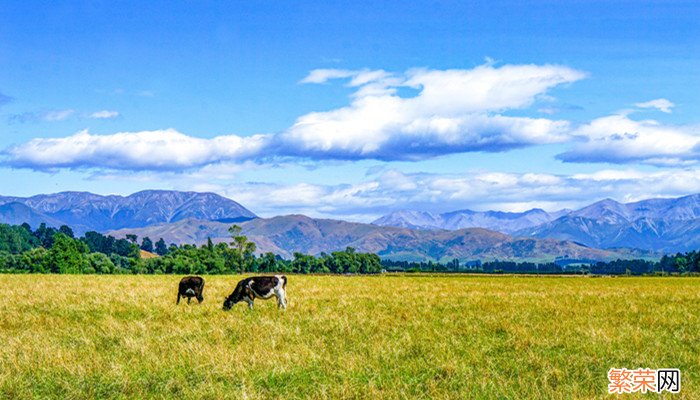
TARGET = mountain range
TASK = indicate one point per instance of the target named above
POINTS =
(662, 225)
(665, 225)
(505, 222)
(651, 226)
(84, 211)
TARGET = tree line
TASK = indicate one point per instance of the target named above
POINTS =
(50, 250)
(680, 263)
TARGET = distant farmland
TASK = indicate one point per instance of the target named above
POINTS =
(390, 336)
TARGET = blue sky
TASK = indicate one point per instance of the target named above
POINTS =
(353, 109)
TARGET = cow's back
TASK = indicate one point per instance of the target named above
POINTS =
(195, 283)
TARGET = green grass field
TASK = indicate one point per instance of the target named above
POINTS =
(393, 337)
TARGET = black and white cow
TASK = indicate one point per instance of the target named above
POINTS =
(190, 286)
(259, 286)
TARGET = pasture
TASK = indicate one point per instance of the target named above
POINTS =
(357, 337)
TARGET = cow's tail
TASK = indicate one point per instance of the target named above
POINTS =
(284, 282)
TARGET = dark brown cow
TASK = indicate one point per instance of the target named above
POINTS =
(191, 286)
(259, 286)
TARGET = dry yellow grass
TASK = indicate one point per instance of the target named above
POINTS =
(394, 337)
(147, 254)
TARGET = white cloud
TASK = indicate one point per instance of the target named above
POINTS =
(414, 115)
(104, 114)
(619, 139)
(478, 190)
(150, 150)
(58, 115)
(448, 111)
(324, 75)
(662, 105)
(452, 111)
(219, 172)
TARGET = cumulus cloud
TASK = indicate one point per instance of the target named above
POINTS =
(662, 105)
(452, 111)
(151, 150)
(104, 114)
(620, 139)
(414, 115)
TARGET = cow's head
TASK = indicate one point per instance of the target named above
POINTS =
(235, 297)
(229, 302)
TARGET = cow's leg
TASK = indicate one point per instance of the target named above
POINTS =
(188, 299)
(250, 303)
(200, 299)
(281, 301)
(178, 298)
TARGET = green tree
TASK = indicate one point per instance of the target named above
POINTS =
(45, 235)
(302, 263)
(241, 249)
(35, 260)
(16, 239)
(268, 263)
(147, 244)
(681, 263)
(100, 263)
(98, 242)
(66, 230)
(66, 256)
(126, 248)
(161, 248)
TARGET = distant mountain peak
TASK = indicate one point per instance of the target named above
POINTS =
(660, 224)
(502, 221)
(88, 211)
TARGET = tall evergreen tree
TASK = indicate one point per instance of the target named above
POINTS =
(161, 248)
(147, 244)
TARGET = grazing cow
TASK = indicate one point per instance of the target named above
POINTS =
(259, 286)
(191, 286)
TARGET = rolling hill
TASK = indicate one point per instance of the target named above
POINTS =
(286, 235)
